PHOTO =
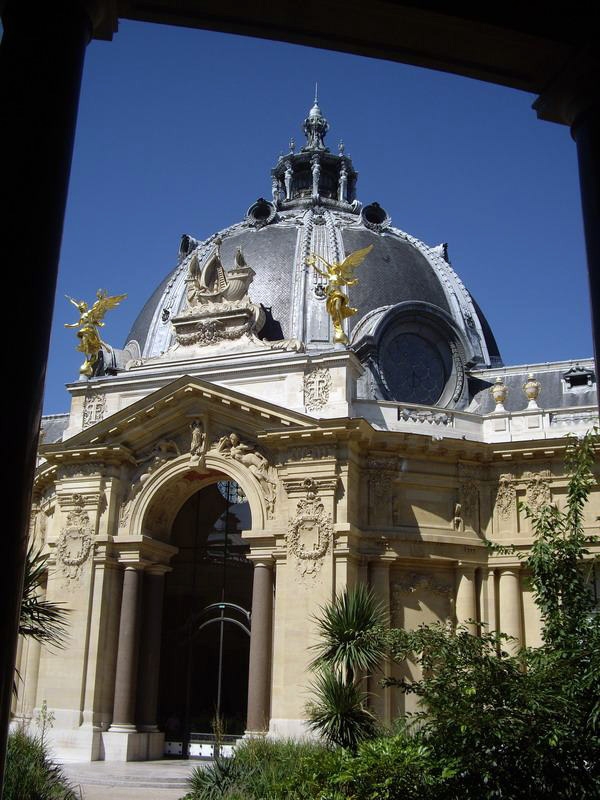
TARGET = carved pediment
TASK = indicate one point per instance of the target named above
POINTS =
(167, 414)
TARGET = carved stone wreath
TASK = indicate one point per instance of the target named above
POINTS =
(75, 542)
(311, 524)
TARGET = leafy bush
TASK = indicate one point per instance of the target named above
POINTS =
(30, 775)
(262, 769)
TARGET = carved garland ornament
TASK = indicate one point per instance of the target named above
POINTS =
(311, 526)
(537, 493)
(75, 542)
(506, 495)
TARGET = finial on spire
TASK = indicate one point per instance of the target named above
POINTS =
(316, 93)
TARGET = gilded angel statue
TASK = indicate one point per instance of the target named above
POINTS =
(90, 321)
(339, 275)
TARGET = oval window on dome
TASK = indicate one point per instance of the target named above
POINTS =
(414, 369)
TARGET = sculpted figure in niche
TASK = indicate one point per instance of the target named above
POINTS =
(457, 521)
(256, 463)
(198, 443)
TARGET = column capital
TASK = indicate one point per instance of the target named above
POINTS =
(261, 560)
(157, 569)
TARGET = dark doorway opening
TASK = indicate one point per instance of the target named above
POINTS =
(205, 637)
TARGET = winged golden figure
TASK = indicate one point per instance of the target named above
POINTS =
(90, 321)
(339, 275)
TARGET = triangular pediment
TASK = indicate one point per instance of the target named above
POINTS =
(169, 411)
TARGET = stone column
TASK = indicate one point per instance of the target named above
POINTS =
(492, 595)
(510, 602)
(259, 673)
(30, 677)
(149, 669)
(381, 699)
(124, 704)
(150, 640)
(466, 596)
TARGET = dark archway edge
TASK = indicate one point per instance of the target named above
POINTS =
(547, 51)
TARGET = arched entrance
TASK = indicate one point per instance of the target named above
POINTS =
(206, 619)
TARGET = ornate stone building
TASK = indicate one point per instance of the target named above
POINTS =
(222, 476)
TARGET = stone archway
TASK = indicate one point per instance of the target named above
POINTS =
(151, 520)
(206, 619)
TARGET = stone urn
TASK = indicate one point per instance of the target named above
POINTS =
(499, 392)
(531, 387)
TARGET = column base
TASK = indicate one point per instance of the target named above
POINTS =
(156, 745)
(291, 729)
(125, 746)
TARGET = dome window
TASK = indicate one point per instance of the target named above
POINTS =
(375, 217)
(261, 213)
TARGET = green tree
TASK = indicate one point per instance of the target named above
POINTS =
(526, 725)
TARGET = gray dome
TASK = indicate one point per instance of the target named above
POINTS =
(314, 211)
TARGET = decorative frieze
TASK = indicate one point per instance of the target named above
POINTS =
(427, 417)
(310, 532)
(79, 470)
(316, 452)
(411, 582)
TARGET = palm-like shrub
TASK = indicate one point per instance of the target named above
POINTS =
(344, 627)
(339, 712)
(346, 653)
(42, 620)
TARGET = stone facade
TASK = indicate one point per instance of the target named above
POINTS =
(344, 478)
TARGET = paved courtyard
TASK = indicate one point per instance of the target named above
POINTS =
(134, 780)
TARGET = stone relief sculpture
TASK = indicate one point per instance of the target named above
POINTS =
(161, 451)
(317, 385)
(310, 532)
(537, 492)
(457, 520)
(198, 443)
(506, 496)
(411, 582)
(232, 447)
(75, 542)
(93, 409)
(212, 285)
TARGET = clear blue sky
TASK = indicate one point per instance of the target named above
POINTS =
(178, 130)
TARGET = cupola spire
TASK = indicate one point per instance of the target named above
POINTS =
(315, 126)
